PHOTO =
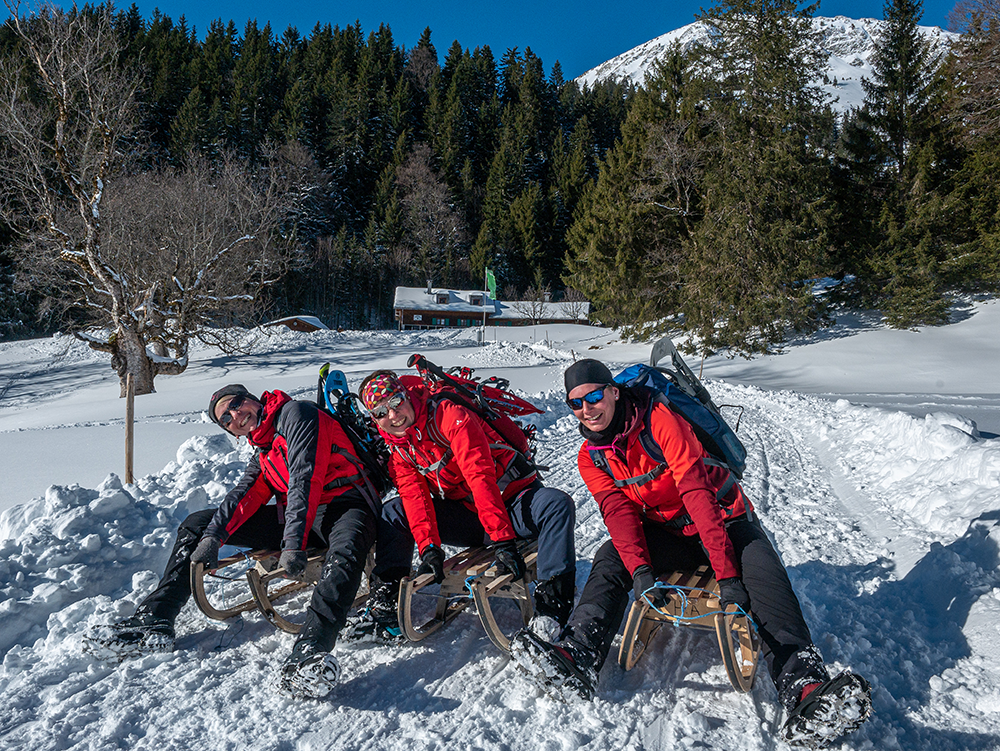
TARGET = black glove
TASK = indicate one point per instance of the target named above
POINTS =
(644, 584)
(207, 552)
(732, 592)
(432, 562)
(293, 561)
(509, 560)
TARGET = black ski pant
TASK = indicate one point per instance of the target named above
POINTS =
(347, 526)
(547, 514)
(787, 644)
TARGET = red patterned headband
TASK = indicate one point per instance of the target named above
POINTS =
(379, 388)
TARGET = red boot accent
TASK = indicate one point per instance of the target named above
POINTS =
(808, 690)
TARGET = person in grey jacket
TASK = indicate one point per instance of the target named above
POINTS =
(324, 498)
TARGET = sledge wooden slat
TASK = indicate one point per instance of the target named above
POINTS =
(262, 579)
(740, 647)
(198, 574)
(471, 571)
(259, 578)
(504, 587)
(638, 631)
(738, 641)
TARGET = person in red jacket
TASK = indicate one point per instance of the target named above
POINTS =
(681, 514)
(460, 484)
(306, 462)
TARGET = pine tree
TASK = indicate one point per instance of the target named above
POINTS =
(900, 86)
(623, 245)
(762, 230)
(901, 272)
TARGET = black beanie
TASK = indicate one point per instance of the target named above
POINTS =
(586, 371)
(233, 389)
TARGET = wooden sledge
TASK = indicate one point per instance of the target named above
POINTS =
(470, 576)
(267, 582)
(696, 606)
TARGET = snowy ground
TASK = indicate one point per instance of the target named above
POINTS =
(886, 519)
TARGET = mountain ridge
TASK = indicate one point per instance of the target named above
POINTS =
(848, 42)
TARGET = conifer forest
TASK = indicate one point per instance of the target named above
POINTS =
(161, 182)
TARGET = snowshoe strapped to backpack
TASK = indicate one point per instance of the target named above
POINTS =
(335, 398)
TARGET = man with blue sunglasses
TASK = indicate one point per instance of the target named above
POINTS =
(307, 463)
(678, 513)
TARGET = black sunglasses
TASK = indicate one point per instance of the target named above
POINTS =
(234, 404)
(593, 397)
(393, 402)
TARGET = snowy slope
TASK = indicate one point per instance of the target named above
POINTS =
(849, 44)
(886, 521)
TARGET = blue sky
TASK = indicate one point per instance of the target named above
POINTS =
(580, 34)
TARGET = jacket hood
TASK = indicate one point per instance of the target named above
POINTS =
(272, 402)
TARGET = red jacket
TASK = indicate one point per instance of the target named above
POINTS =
(301, 460)
(478, 468)
(686, 486)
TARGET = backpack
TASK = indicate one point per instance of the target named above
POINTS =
(489, 399)
(682, 392)
(335, 398)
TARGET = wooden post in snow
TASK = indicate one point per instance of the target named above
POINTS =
(129, 428)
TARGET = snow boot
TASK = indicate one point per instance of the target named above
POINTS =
(545, 627)
(307, 673)
(565, 671)
(554, 596)
(378, 623)
(830, 710)
(136, 636)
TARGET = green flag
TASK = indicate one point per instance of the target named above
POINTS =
(491, 284)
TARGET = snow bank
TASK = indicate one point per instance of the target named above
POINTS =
(937, 468)
(78, 543)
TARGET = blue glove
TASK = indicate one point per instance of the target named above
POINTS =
(509, 560)
(644, 587)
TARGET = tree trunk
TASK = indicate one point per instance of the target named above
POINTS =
(131, 357)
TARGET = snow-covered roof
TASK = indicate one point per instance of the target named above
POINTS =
(549, 311)
(418, 298)
(308, 320)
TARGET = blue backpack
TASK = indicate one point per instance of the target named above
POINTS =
(684, 394)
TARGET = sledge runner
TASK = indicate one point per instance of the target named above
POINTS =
(460, 483)
(680, 514)
(306, 461)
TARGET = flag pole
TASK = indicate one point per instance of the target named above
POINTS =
(486, 287)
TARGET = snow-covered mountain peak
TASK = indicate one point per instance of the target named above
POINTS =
(848, 42)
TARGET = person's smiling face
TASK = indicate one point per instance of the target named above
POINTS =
(394, 414)
(238, 415)
(595, 413)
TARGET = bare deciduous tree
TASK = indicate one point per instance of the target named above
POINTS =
(574, 304)
(435, 231)
(154, 257)
(532, 303)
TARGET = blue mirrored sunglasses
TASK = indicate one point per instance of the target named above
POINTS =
(393, 402)
(593, 397)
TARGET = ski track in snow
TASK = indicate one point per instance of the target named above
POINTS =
(847, 493)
